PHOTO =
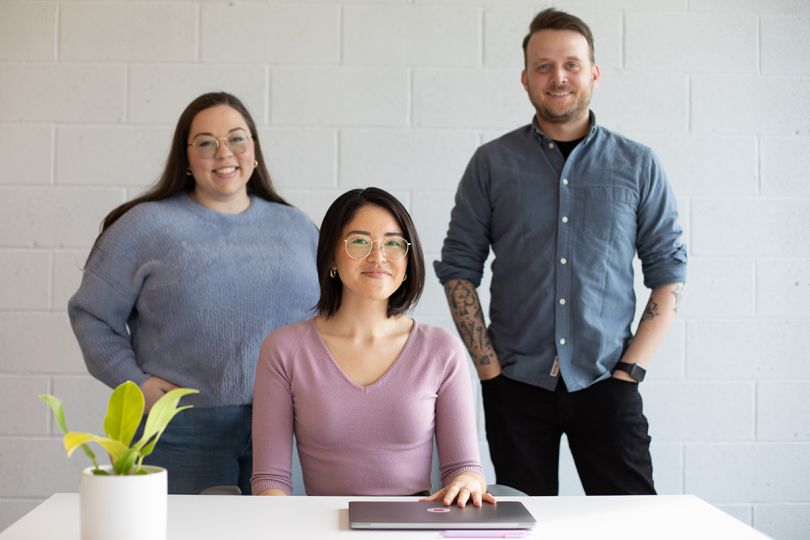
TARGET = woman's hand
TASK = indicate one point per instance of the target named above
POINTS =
(272, 493)
(153, 389)
(464, 487)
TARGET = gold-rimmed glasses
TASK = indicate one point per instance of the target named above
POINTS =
(207, 145)
(359, 246)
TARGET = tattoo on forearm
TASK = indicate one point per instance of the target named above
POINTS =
(469, 319)
(650, 312)
(677, 292)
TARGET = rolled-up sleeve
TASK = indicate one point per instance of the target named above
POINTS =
(659, 235)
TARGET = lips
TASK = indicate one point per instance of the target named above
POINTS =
(376, 274)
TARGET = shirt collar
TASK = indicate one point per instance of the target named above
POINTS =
(543, 138)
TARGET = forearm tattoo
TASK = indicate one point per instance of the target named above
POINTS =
(677, 292)
(650, 312)
(469, 318)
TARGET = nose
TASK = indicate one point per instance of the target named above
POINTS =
(376, 253)
(223, 150)
(559, 75)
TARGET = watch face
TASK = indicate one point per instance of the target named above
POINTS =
(637, 372)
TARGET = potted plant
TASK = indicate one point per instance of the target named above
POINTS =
(126, 499)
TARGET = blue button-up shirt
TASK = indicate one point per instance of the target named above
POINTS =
(564, 233)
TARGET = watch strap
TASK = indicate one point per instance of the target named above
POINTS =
(635, 371)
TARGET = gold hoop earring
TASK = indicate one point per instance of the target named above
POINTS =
(405, 277)
(255, 163)
(333, 273)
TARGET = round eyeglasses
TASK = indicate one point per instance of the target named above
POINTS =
(359, 247)
(207, 145)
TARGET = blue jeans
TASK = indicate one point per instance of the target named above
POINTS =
(204, 447)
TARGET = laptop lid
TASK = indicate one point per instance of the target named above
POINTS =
(434, 515)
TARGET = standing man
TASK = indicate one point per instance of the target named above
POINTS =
(565, 205)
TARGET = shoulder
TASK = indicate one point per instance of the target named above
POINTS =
(513, 140)
(289, 338)
(623, 145)
(141, 223)
(441, 342)
(281, 211)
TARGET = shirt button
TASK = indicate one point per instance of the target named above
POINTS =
(565, 181)
(565, 219)
(562, 341)
(563, 260)
(562, 301)
(551, 145)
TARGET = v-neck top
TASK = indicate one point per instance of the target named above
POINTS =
(362, 440)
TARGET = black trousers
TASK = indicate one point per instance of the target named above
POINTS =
(604, 423)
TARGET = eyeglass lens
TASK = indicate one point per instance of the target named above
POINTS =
(393, 247)
(207, 145)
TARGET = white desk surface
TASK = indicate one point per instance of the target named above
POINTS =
(200, 517)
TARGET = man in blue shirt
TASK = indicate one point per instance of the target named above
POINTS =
(565, 205)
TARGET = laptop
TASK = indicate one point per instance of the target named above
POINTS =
(434, 515)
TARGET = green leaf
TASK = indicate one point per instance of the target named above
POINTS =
(73, 440)
(124, 412)
(124, 463)
(159, 417)
(59, 415)
(56, 407)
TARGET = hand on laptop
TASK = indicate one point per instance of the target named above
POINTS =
(464, 487)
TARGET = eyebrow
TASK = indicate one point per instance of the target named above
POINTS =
(366, 233)
(211, 134)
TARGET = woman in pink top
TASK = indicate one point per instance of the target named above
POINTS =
(363, 387)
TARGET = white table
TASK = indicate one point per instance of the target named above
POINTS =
(198, 517)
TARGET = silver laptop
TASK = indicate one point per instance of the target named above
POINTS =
(434, 515)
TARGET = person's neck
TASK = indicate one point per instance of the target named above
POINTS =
(360, 319)
(569, 131)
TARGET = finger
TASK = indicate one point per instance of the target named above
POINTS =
(435, 497)
(488, 497)
(476, 498)
(463, 496)
(451, 494)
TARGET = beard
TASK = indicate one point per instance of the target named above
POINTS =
(577, 110)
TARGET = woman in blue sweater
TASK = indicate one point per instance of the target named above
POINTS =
(184, 282)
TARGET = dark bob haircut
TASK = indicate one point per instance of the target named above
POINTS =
(339, 214)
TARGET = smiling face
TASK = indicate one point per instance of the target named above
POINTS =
(220, 181)
(374, 277)
(559, 78)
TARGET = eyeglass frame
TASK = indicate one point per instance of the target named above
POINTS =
(371, 249)
(248, 136)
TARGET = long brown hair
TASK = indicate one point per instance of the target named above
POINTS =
(174, 179)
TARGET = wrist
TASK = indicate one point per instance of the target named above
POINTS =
(632, 372)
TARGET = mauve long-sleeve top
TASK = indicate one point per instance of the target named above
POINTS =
(361, 440)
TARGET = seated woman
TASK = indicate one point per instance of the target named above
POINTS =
(363, 387)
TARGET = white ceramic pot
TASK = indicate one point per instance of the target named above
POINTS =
(123, 507)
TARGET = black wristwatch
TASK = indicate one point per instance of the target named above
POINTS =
(635, 371)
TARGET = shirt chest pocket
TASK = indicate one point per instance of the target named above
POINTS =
(605, 213)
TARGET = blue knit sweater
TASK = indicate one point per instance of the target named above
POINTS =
(185, 293)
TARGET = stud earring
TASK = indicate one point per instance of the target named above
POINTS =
(188, 171)
(255, 163)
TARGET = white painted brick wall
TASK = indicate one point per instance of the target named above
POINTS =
(398, 94)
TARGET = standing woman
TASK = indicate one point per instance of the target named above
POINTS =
(363, 387)
(184, 282)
